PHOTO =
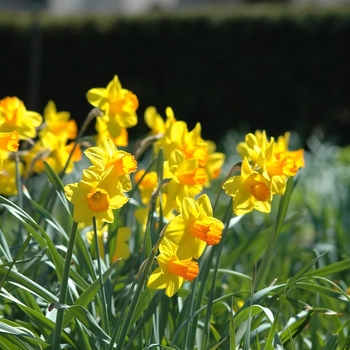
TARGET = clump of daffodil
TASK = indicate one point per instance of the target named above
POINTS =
(266, 166)
(96, 195)
(194, 228)
(53, 144)
(14, 116)
(172, 271)
(176, 136)
(8, 143)
(118, 105)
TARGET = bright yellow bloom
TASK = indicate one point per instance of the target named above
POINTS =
(95, 195)
(101, 127)
(119, 106)
(187, 177)
(8, 142)
(254, 145)
(14, 116)
(281, 151)
(172, 272)
(154, 121)
(194, 228)
(177, 137)
(250, 190)
(106, 155)
(58, 123)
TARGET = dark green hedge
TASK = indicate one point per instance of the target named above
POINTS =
(273, 69)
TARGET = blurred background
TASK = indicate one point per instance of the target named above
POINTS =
(229, 64)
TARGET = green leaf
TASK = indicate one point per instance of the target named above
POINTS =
(57, 184)
(331, 342)
(295, 325)
(85, 317)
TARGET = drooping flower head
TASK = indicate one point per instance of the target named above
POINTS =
(172, 271)
(194, 228)
(118, 104)
(14, 116)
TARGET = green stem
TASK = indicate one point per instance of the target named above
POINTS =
(105, 322)
(206, 330)
(56, 340)
(141, 277)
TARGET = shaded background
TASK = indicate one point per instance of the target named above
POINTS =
(237, 67)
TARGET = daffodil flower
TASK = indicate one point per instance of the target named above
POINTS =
(14, 116)
(121, 163)
(172, 271)
(187, 177)
(194, 228)
(95, 195)
(119, 106)
(58, 123)
(250, 190)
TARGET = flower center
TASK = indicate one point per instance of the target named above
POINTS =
(98, 200)
(184, 268)
(207, 230)
(9, 141)
(193, 177)
(124, 164)
(261, 192)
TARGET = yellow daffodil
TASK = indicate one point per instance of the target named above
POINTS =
(101, 127)
(14, 116)
(250, 190)
(187, 177)
(177, 137)
(95, 195)
(119, 106)
(8, 142)
(172, 272)
(106, 155)
(58, 123)
(154, 121)
(194, 228)
(254, 145)
(281, 151)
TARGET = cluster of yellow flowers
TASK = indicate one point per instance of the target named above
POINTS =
(47, 138)
(190, 164)
(266, 166)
